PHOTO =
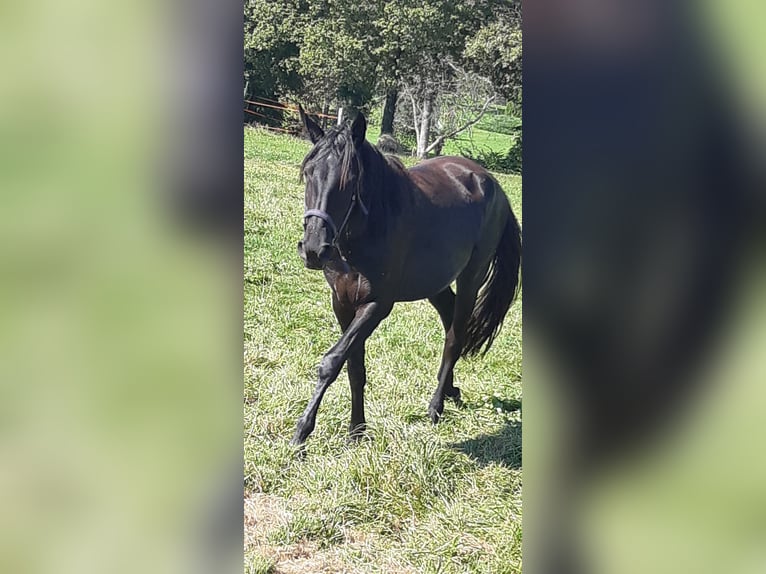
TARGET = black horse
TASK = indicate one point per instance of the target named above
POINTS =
(382, 233)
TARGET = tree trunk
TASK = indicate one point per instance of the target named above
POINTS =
(424, 132)
(389, 109)
(325, 113)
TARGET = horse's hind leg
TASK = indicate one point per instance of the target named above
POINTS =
(444, 303)
(468, 284)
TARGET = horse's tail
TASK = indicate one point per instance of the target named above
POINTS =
(498, 291)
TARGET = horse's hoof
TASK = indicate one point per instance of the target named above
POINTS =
(357, 438)
(300, 451)
(356, 434)
(454, 394)
(300, 437)
(435, 413)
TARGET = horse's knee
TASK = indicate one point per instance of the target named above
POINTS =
(327, 369)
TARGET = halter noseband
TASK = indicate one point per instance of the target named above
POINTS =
(323, 215)
(327, 218)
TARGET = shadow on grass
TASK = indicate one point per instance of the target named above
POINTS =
(502, 447)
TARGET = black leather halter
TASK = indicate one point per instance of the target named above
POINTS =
(327, 218)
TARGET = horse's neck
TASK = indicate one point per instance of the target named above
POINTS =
(384, 194)
(392, 188)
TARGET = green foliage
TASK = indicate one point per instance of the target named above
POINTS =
(410, 497)
(493, 160)
(414, 35)
(272, 46)
(500, 123)
(311, 48)
(406, 139)
(344, 51)
(335, 57)
(495, 51)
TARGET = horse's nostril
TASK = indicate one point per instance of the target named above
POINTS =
(324, 252)
(312, 260)
(315, 258)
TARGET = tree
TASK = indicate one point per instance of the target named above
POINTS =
(344, 52)
(456, 103)
(495, 51)
(389, 111)
(314, 49)
(272, 46)
(419, 41)
(335, 58)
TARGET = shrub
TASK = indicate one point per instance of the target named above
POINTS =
(407, 140)
(500, 123)
(508, 162)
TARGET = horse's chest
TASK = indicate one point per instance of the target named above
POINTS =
(352, 288)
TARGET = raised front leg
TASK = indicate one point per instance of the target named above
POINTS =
(366, 319)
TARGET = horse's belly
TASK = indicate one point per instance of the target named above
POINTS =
(439, 248)
(429, 274)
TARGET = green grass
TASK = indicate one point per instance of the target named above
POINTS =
(478, 139)
(412, 497)
(474, 139)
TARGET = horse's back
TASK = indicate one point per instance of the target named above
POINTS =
(459, 204)
(452, 181)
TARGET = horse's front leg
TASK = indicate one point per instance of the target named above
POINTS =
(357, 374)
(357, 378)
(366, 319)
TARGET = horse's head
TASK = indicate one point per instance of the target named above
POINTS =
(332, 171)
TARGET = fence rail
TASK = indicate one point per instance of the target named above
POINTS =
(280, 106)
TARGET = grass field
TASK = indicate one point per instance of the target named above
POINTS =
(414, 497)
(474, 139)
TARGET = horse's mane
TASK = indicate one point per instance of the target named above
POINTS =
(337, 141)
(384, 188)
(394, 162)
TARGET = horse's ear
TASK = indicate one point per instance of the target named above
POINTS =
(313, 130)
(358, 129)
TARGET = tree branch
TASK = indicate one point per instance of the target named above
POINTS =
(462, 128)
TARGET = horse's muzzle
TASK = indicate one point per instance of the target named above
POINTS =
(315, 258)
